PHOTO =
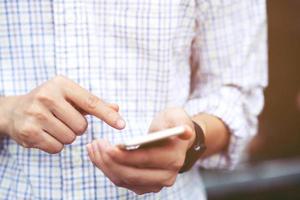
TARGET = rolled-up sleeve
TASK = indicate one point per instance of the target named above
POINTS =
(230, 54)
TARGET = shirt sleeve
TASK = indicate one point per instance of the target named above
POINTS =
(230, 55)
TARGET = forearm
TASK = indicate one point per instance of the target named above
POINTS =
(215, 131)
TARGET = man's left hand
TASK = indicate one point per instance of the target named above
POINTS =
(147, 169)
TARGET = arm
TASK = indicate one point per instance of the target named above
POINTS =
(226, 99)
(230, 53)
(215, 132)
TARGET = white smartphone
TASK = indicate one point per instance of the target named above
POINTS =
(140, 141)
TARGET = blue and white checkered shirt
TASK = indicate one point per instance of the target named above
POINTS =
(206, 56)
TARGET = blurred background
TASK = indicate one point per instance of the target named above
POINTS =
(272, 170)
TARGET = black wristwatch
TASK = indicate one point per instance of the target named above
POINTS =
(196, 150)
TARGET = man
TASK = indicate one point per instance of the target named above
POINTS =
(139, 66)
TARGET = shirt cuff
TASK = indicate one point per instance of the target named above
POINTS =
(229, 105)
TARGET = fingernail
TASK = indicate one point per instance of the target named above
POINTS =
(89, 150)
(94, 147)
(88, 146)
(121, 123)
(100, 145)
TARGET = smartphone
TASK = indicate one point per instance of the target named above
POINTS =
(151, 138)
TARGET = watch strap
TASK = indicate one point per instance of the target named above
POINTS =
(196, 150)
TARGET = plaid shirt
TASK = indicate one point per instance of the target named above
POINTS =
(206, 56)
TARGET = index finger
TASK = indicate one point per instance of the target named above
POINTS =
(93, 105)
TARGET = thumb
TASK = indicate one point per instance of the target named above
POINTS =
(188, 133)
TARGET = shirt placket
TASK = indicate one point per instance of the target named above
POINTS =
(61, 23)
(70, 53)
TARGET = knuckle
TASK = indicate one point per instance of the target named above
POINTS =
(55, 150)
(169, 182)
(26, 145)
(27, 131)
(59, 79)
(40, 116)
(92, 101)
(178, 164)
(70, 139)
(36, 113)
(139, 192)
(27, 136)
(44, 97)
(24, 133)
(81, 126)
(156, 190)
(109, 113)
(118, 182)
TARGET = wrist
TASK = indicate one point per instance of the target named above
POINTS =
(196, 149)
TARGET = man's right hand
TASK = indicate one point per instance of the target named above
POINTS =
(52, 114)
